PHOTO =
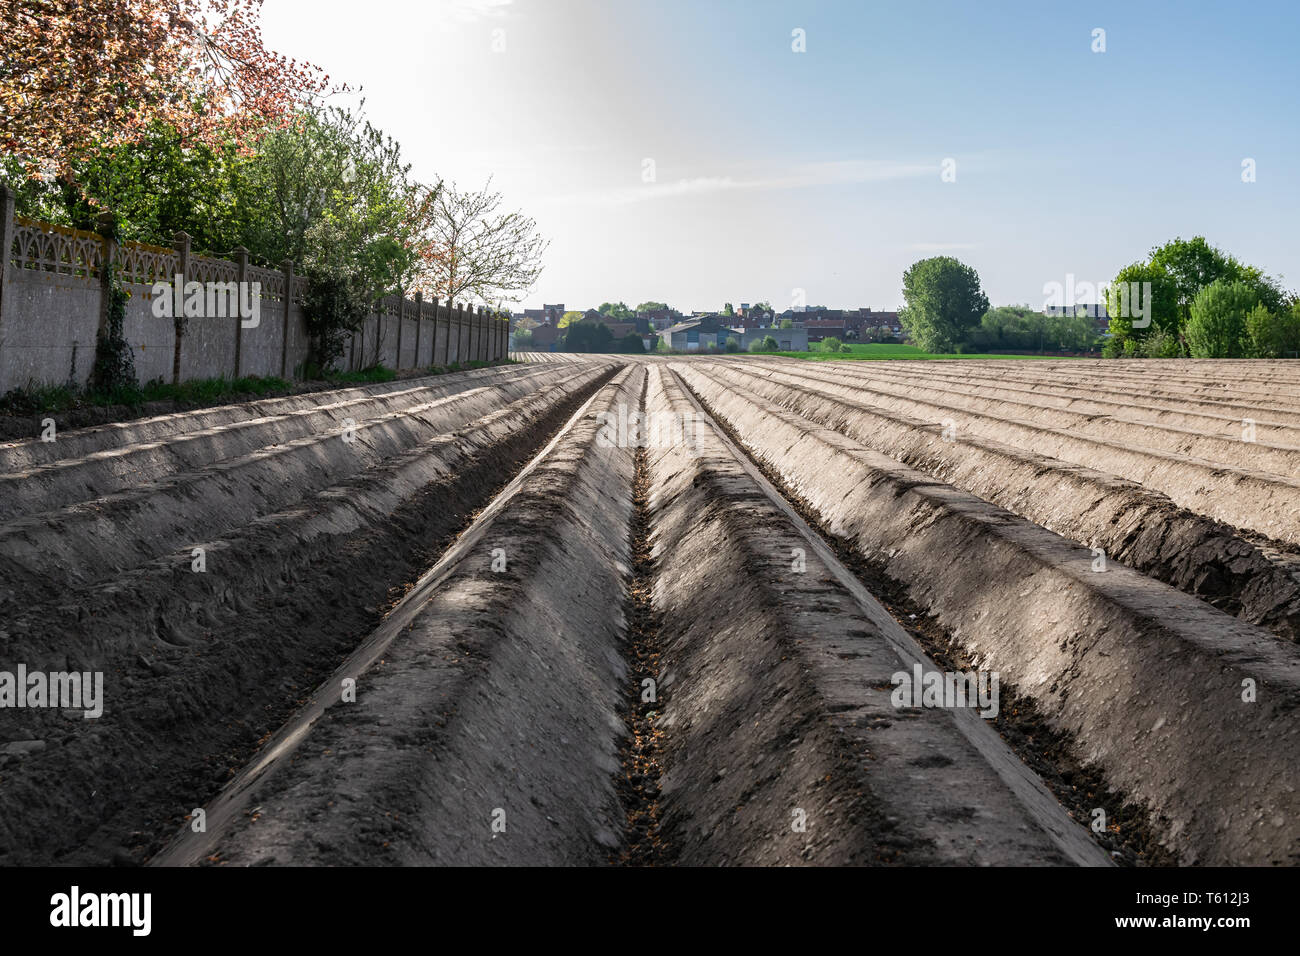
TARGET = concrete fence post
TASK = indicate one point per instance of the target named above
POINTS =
(401, 320)
(8, 202)
(466, 332)
(287, 267)
(241, 262)
(419, 322)
(182, 245)
(455, 318)
(469, 335)
(443, 313)
(106, 226)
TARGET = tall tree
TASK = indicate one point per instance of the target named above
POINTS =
(943, 302)
(332, 193)
(80, 76)
(472, 252)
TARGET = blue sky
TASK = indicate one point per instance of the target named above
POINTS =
(778, 173)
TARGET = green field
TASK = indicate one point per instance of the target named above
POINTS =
(878, 352)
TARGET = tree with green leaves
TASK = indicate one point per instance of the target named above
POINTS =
(1274, 334)
(332, 193)
(1022, 328)
(1177, 271)
(1217, 327)
(943, 301)
(332, 166)
(588, 337)
(568, 319)
(155, 186)
(652, 307)
(616, 310)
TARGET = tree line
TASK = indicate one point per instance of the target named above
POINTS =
(1198, 301)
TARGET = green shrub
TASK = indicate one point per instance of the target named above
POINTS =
(334, 305)
(1273, 335)
(1217, 326)
(114, 368)
(1161, 344)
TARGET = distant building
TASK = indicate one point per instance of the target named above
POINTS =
(684, 336)
(545, 338)
(1093, 310)
(819, 329)
(788, 340)
(660, 319)
(546, 314)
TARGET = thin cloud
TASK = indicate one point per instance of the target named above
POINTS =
(471, 11)
(803, 176)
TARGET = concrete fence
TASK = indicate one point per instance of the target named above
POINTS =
(54, 300)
